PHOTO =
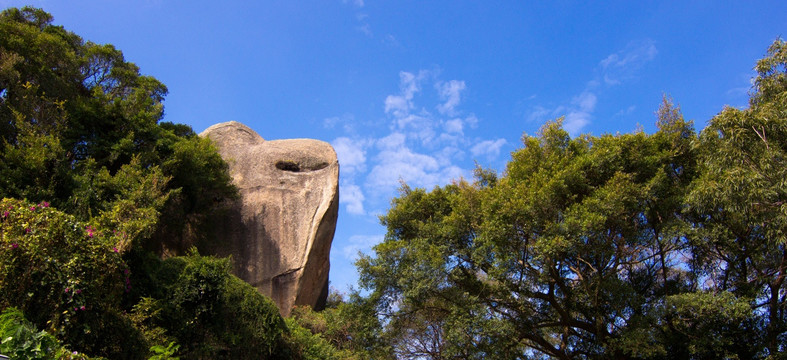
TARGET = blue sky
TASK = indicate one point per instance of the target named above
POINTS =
(419, 91)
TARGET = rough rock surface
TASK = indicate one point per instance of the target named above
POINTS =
(279, 232)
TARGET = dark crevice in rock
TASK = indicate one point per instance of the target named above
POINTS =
(292, 166)
(287, 165)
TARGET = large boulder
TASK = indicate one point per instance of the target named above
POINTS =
(279, 232)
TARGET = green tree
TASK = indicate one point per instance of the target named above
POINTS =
(195, 302)
(563, 256)
(345, 329)
(739, 202)
(76, 117)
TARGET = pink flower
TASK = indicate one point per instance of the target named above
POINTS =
(90, 231)
(27, 230)
(14, 245)
(5, 214)
(82, 308)
(44, 204)
(115, 249)
(67, 289)
(78, 291)
(32, 208)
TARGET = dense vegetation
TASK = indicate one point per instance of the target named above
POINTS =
(94, 186)
(630, 246)
(636, 246)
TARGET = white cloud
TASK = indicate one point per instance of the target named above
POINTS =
(471, 120)
(366, 29)
(403, 163)
(627, 111)
(347, 121)
(352, 196)
(488, 148)
(454, 126)
(539, 114)
(448, 154)
(423, 147)
(360, 243)
(397, 105)
(586, 101)
(409, 84)
(614, 69)
(392, 141)
(450, 92)
(351, 154)
(575, 121)
(623, 64)
(358, 3)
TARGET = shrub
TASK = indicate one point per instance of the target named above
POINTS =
(20, 340)
(66, 275)
(209, 312)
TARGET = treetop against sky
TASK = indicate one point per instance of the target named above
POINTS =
(421, 91)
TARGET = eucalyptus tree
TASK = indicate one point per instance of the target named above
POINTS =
(738, 204)
(566, 255)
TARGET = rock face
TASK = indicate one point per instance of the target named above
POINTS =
(279, 232)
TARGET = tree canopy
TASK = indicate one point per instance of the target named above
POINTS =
(80, 128)
(668, 245)
(628, 246)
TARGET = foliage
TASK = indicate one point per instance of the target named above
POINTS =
(560, 256)
(738, 204)
(20, 339)
(660, 246)
(68, 276)
(651, 246)
(195, 302)
(165, 353)
(343, 330)
(80, 129)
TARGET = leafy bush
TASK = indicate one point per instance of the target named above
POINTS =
(210, 313)
(344, 330)
(68, 276)
(20, 340)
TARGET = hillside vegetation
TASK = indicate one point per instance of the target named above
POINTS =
(668, 245)
(94, 186)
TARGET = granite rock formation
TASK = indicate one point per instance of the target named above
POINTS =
(279, 232)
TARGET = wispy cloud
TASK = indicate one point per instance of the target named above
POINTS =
(488, 148)
(450, 92)
(624, 64)
(401, 104)
(351, 154)
(582, 107)
(427, 143)
(346, 121)
(613, 70)
(627, 111)
(360, 243)
(362, 18)
(357, 3)
(352, 196)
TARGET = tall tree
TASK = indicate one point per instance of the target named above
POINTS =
(563, 256)
(739, 202)
(80, 128)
